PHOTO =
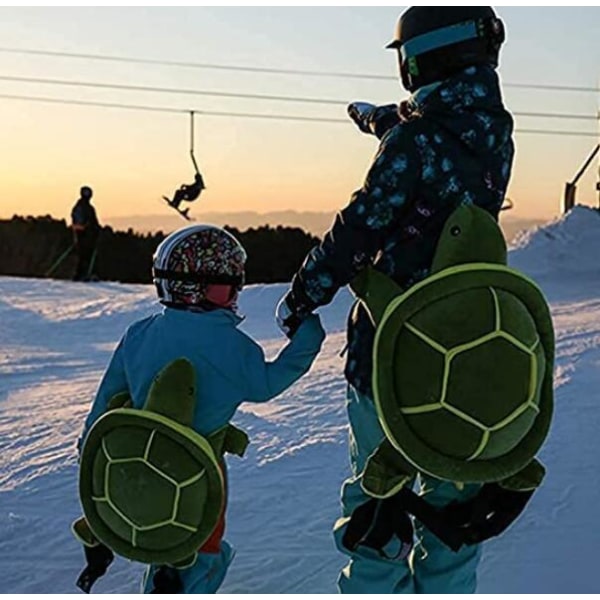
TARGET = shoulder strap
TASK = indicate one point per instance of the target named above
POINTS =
(386, 472)
(229, 440)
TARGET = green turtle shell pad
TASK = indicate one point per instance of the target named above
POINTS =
(151, 489)
(464, 373)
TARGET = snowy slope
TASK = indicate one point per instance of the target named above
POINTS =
(56, 338)
(564, 252)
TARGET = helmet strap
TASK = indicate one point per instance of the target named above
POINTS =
(216, 297)
(223, 296)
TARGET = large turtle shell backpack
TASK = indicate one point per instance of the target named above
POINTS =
(151, 488)
(463, 369)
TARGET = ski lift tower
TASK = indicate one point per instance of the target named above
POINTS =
(571, 187)
(598, 186)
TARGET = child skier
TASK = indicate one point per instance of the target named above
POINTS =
(198, 272)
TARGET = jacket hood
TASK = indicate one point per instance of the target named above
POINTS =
(470, 108)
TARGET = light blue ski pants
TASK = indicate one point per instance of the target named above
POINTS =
(432, 567)
(204, 577)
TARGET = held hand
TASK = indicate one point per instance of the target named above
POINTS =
(287, 320)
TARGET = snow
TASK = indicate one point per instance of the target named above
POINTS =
(56, 339)
(564, 252)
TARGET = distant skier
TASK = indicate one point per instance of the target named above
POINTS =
(198, 272)
(449, 144)
(86, 230)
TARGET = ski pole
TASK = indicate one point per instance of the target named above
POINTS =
(92, 263)
(59, 261)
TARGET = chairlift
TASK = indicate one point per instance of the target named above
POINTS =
(188, 192)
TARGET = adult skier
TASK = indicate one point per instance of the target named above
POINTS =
(86, 230)
(449, 145)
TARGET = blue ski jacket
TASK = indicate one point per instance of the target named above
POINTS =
(230, 367)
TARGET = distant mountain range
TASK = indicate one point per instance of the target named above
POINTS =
(316, 223)
(313, 222)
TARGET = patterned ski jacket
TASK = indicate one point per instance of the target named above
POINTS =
(455, 147)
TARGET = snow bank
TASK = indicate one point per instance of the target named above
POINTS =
(567, 247)
(56, 339)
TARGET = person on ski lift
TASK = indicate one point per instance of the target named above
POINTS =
(86, 230)
(187, 193)
(449, 145)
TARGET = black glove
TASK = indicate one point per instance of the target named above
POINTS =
(98, 560)
(375, 524)
(375, 120)
(488, 514)
(287, 317)
(166, 580)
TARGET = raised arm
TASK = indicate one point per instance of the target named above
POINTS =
(359, 230)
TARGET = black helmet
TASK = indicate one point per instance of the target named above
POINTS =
(86, 192)
(434, 42)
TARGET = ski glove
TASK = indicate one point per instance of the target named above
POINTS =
(166, 580)
(470, 522)
(98, 559)
(377, 524)
(374, 120)
(381, 526)
(488, 514)
(361, 113)
(288, 320)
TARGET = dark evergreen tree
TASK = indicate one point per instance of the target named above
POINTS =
(29, 247)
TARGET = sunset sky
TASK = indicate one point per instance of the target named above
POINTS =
(132, 158)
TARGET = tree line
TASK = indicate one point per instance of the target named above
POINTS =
(30, 246)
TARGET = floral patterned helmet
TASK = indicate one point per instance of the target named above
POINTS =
(199, 265)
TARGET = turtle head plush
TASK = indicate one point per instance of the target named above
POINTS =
(176, 381)
(470, 236)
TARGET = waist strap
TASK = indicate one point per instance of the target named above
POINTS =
(487, 515)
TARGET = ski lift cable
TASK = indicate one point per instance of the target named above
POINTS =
(168, 109)
(265, 70)
(169, 90)
(238, 95)
(193, 141)
(245, 115)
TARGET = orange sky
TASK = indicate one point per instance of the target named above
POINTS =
(132, 158)
(247, 166)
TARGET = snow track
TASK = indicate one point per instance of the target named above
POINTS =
(56, 339)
